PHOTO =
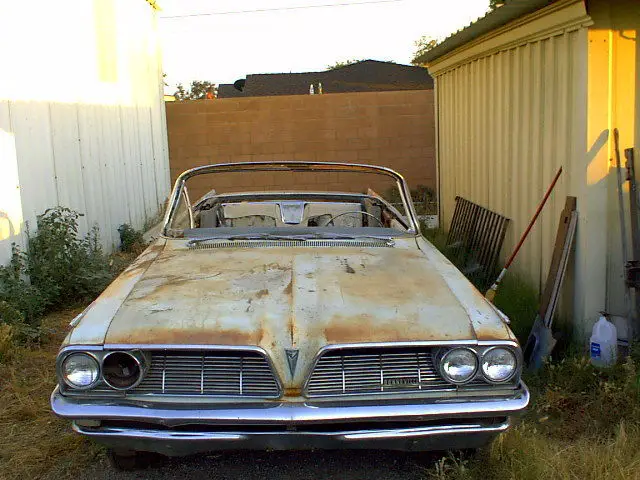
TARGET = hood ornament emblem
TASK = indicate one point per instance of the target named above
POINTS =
(292, 359)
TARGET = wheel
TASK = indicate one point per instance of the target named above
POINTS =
(123, 460)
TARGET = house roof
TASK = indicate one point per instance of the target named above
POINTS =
(228, 90)
(511, 10)
(364, 76)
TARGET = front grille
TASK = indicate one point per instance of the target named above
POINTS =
(209, 373)
(376, 371)
(204, 373)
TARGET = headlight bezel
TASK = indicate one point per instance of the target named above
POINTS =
(481, 349)
(139, 364)
(98, 354)
(63, 378)
(441, 360)
(516, 369)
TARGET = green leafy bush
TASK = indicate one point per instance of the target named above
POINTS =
(59, 268)
(17, 293)
(131, 240)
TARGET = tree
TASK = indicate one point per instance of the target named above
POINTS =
(200, 89)
(343, 63)
(423, 45)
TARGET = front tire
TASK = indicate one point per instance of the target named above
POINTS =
(123, 460)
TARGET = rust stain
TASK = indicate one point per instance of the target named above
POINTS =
(262, 293)
(347, 268)
(292, 392)
(485, 333)
(289, 288)
(291, 325)
(187, 336)
(270, 266)
(143, 262)
(365, 328)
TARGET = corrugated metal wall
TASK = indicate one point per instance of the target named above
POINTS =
(506, 123)
(81, 115)
(546, 91)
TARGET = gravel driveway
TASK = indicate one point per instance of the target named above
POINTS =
(249, 465)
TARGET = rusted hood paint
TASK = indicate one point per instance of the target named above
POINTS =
(281, 298)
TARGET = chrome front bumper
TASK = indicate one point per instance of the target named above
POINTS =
(420, 425)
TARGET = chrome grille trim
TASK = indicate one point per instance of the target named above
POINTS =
(205, 372)
(291, 243)
(378, 370)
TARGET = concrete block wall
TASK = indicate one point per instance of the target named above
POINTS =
(393, 129)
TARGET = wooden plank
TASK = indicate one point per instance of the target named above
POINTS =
(561, 237)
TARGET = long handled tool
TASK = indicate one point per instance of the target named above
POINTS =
(623, 227)
(491, 293)
(632, 269)
(541, 340)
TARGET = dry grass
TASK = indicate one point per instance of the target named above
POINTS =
(582, 424)
(525, 453)
(33, 442)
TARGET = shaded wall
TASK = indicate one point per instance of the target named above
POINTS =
(393, 129)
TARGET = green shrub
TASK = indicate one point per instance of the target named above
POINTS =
(65, 268)
(58, 269)
(131, 240)
(17, 293)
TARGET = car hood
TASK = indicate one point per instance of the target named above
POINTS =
(298, 298)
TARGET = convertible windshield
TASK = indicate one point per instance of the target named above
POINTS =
(292, 200)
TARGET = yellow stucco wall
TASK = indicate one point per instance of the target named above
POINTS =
(614, 60)
(527, 98)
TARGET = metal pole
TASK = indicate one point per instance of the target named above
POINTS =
(635, 233)
(623, 226)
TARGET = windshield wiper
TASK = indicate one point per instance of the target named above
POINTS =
(295, 238)
(251, 236)
(346, 236)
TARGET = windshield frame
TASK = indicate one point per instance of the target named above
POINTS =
(282, 166)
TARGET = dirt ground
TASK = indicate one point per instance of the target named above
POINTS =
(249, 465)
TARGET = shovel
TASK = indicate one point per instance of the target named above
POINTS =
(541, 341)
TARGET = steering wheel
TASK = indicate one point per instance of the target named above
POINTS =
(330, 222)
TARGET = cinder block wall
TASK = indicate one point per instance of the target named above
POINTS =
(393, 129)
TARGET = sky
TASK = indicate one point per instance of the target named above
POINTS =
(233, 40)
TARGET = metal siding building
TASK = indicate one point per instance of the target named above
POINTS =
(82, 121)
(518, 99)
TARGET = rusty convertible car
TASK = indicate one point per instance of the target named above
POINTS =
(289, 318)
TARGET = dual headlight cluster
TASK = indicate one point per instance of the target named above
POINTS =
(461, 365)
(119, 370)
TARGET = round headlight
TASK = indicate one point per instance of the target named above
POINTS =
(459, 365)
(80, 370)
(499, 364)
(121, 370)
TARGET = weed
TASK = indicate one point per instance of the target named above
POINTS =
(17, 293)
(582, 423)
(7, 342)
(576, 398)
(519, 301)
(58, 269)
(131, 240)
(62, 266)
